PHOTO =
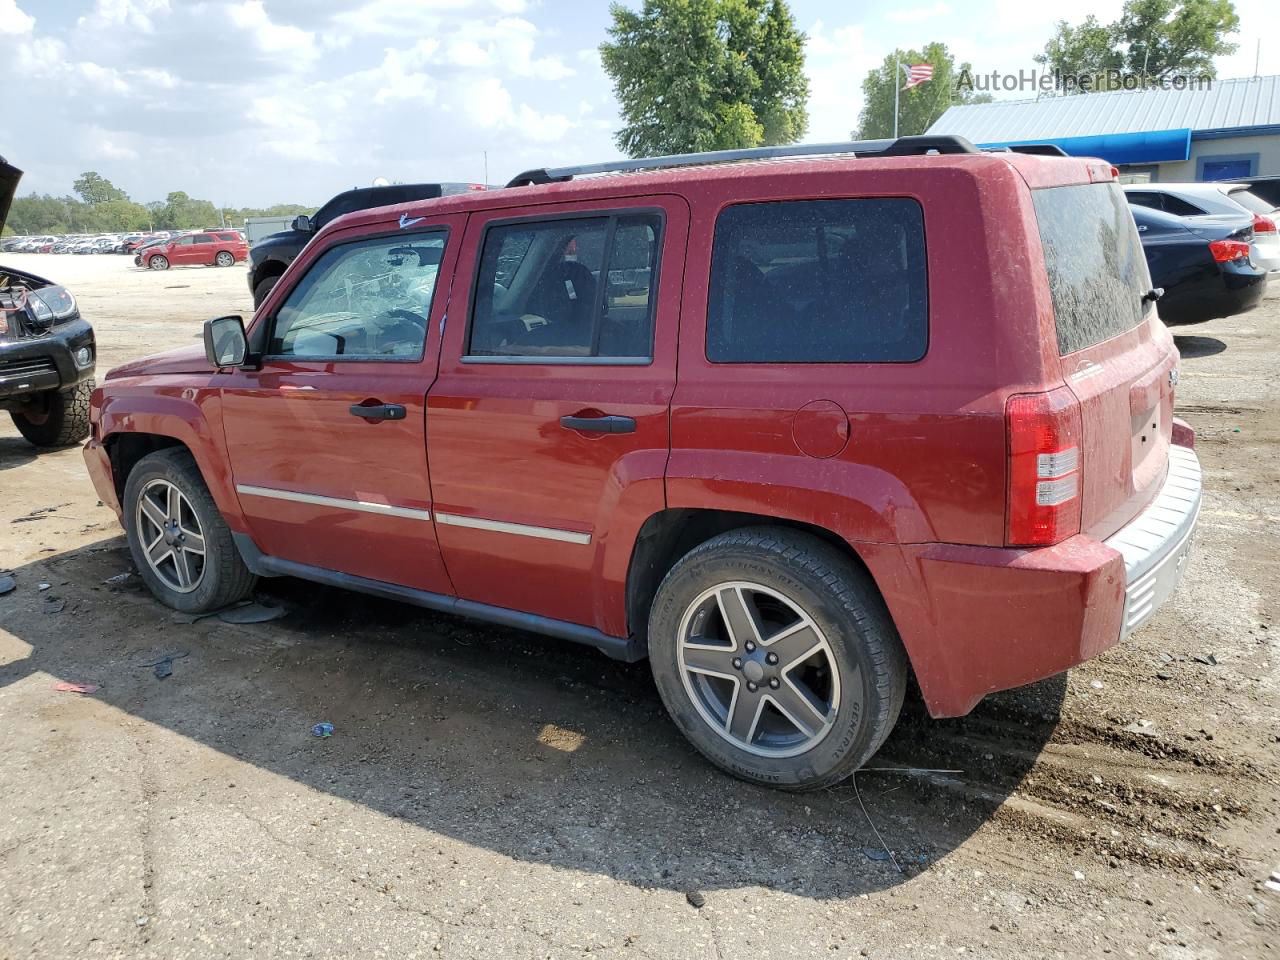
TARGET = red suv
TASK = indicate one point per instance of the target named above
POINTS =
(217, 248)
(793, 429)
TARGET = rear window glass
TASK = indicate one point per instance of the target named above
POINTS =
(1250, 201)
(1097, 270)
(819, 281)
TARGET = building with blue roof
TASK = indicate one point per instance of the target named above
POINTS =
(1227, 130)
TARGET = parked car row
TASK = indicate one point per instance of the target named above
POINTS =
(97, 243)
(1209, 246)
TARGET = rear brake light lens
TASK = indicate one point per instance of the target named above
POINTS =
(1044, 468)
(1225, 251)
(1263, 224)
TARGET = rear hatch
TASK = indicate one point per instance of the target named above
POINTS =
(1117, 359)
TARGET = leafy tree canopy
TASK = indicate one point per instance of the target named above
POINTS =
(100, 207)
(1153, 39)
(694, 75)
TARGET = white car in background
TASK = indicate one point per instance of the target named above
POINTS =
(1211, 200)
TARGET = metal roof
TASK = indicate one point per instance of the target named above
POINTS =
(1227, 104)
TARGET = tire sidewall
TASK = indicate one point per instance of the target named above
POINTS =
(153, 468)
(263, 289)
(158, 262)
(218, 260)
(851, 740)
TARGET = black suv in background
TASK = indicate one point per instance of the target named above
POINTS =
(47, 351)
(269, 257)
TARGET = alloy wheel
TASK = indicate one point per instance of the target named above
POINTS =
(171, 536)
(758, 669)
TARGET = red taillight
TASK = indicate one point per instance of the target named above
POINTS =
(1263, 224)
(1044, 468)
(1226, 250)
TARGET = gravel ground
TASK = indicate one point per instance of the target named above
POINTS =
(487, 793)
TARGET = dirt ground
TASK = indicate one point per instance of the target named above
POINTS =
(488, 793)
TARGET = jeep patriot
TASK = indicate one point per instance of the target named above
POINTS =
(792, 423)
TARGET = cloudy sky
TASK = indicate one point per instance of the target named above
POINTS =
(263, 101)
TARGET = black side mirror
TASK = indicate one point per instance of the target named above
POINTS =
(225, 344)
(302, 223)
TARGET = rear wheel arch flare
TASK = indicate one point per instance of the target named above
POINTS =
(668, 535)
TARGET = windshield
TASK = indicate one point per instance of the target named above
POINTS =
(1097, 270)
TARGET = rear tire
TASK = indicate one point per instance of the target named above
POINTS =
(158, 262)
(223, 259)
(264, 287)
(815, 710)
(164, 534)
(57, 419)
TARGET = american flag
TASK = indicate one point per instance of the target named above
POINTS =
(917, 73)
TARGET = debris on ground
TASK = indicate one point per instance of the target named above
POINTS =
(37, 514)
(66, 686)
(322, 730)
(44, 585)
(119, 579)
(1208, 659)
(696, 899)
(164, 665)
(252, 613)
(7, 584)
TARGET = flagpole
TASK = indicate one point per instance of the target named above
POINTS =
(895, 94)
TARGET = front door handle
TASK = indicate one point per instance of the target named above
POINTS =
(607, 424)
(378, 411)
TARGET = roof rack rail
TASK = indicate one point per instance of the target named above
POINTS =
(901, 147)
(1039, 149)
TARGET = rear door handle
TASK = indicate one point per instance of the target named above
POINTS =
(608, 424)
(378, 411)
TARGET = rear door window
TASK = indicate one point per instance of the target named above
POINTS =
(1097, 270)
(819, 281)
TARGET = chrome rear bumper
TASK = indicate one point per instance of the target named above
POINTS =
(1156, 544)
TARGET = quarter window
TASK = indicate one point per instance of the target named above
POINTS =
(567, 288)
(368, 300)
(818, 281)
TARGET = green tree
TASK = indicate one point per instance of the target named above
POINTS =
(694, 75)
(94, 188)
(182, 212)
(919, 107)
(1153, 39)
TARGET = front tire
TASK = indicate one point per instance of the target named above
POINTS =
(263, 288)
(776, 657)
(56, 419)
(158, 262)
(180, 544)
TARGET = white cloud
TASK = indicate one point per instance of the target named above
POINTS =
(919, 14)
(837, 60)
(133, 14)
(273, 38)
(13, 20)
